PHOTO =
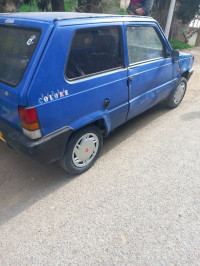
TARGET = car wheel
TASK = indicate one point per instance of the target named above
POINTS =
(175, 99)
(82, 150)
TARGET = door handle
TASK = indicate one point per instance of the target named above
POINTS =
(130, 79)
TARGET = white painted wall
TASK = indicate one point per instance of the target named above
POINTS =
(192, 39)
(195, 23)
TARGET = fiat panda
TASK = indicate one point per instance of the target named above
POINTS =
(69, 79)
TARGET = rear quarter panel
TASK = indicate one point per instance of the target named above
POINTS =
(12, 97)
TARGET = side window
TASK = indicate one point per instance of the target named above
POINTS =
(94, 50)
(143, 44)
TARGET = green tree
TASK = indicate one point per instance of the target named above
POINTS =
(44, 5)
(187, 10)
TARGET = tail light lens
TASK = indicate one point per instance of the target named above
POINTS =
(29, 122)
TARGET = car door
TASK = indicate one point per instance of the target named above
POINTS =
(96, 73)
(149, 69)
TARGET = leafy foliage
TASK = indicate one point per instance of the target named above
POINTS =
(35, 5)
(46, 5)
(70, 5)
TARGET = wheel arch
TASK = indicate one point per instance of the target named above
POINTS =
(185, 74)
(102, 123)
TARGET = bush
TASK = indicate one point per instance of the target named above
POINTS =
(176, 44)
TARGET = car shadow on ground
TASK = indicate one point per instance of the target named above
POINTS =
(23, 182)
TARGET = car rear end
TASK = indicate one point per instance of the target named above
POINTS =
(17, 45)
(22, 43)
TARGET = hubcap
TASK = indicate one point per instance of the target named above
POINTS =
(85, 150)
(178, 96)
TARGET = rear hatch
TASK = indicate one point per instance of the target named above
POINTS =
(22, 42)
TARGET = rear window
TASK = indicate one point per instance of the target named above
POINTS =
(93, 51)
(17, 45)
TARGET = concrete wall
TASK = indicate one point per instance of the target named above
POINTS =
(193, 38)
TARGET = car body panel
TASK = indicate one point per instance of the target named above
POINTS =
(60, 102)
(12, 97)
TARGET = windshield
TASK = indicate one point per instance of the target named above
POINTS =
(17, 45)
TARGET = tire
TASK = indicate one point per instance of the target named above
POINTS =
(82, 150)
(175, 99)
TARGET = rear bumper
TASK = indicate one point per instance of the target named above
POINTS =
(47, 149)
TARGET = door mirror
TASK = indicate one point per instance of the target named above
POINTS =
(175, 55)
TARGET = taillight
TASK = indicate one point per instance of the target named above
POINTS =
(29, 122)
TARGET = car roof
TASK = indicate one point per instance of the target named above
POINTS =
(58, 16)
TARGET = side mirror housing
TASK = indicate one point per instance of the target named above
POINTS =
(175, 55)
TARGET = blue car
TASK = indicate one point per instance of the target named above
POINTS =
(68, 79)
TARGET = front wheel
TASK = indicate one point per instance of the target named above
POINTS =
(175, 99)
(82, 150)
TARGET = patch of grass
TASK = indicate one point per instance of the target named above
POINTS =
(176, 44)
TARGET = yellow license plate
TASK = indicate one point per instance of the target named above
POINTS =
(1, 138)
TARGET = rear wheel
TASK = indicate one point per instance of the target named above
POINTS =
(175, 99)
(82, 150)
